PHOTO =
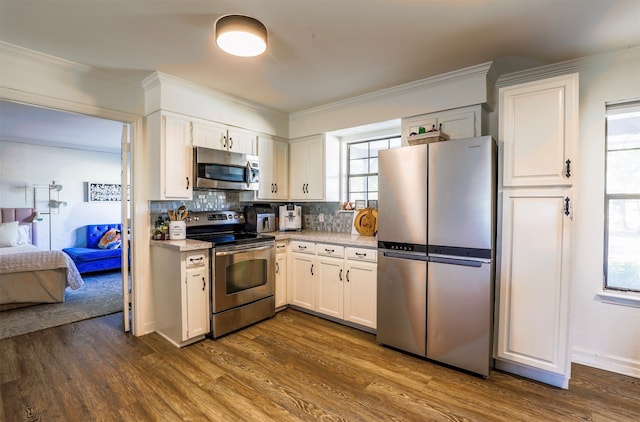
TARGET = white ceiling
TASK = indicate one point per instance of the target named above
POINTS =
(320, 51)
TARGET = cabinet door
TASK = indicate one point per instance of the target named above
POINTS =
(281, 280)
(266, 189)
(209, 135)
(177, 157)
(538, 129)
(280, 170)
(298, 177)
(458, 125)
(302, 280)
(329, 296)
(360, 293)
(242, 141)
(315, 170)
(534, 279)
(196, 322)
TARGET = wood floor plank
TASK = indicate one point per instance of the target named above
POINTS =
(292, 367)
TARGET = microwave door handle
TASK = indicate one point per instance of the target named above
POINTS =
(247, 174)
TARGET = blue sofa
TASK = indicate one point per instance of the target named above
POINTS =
(92, 258)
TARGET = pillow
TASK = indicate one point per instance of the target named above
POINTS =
(24, 234)
(110, 240)
(8, 234)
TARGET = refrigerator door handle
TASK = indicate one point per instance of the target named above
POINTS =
(453, 261)
(406, 256)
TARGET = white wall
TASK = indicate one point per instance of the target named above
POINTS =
(604, 335)
(22, 166)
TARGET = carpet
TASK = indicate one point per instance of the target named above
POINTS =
(100, 295)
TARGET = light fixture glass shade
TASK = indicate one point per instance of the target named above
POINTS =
(57, 204)
(241, 36)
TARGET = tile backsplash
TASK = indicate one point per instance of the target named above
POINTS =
(334, 219)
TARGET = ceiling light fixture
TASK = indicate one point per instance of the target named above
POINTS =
(241, 36)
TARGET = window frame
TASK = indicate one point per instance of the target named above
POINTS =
(613, 109)
(368, 141)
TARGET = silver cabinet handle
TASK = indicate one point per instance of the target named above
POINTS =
(224, 142)
(230, 142)
(311, 269)
(204, 284)
(329, 250)
(340, 275)
(277, 268)
(348, 275)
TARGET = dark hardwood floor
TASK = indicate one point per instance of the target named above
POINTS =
(292, 367)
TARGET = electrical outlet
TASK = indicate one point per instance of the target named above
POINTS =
(321, 218)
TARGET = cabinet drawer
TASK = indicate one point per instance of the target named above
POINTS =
(330, 250)
(362, 254)
(303, 247)
(196, 260)
(281, 246)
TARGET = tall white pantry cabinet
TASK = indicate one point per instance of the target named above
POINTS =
(538, 144)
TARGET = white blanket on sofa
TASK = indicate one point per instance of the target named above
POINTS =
(30, 258)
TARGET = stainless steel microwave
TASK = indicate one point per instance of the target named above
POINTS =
(216, 169)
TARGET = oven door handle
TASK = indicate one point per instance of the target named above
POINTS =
(244, 248)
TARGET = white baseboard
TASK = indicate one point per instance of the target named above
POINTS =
(546, 377)
(609, 363)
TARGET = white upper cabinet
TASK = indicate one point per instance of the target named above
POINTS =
(170, 156)
(539, 132)
(242, 141)
(314, 169)
(457, 124)
(222, 137)
(274, 168)
(209, 135)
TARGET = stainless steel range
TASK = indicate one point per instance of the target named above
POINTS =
(242, 270)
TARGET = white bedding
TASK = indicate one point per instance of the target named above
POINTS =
(29, 258)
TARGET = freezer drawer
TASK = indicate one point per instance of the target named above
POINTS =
(402, 302)
(460, 314)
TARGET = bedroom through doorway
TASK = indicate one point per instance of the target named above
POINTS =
(44, 146)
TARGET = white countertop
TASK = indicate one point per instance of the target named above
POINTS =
(345, 239)
(182, 245)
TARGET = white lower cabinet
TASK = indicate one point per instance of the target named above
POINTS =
(302, 279)
(281, 274)
(334, 281)
(360, 293)
(533, 314)
(181, 286)
(329, 284)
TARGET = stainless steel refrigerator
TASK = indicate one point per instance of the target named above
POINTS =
(436, 237)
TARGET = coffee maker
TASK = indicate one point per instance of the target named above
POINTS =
(290, 218)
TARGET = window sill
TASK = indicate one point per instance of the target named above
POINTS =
(619, 298)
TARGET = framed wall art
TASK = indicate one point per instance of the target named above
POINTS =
(104, 192)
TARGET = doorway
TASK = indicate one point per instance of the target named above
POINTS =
(69, 150)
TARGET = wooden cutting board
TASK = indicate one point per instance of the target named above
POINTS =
(366, 222)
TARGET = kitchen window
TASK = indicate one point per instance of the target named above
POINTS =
(622, 198)
(362, 167)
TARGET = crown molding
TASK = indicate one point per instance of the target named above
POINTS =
(42, 58)
(568, 66)
(398, 90)
(159, 78)
(8, 49)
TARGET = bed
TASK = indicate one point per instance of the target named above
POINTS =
(29, 275)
